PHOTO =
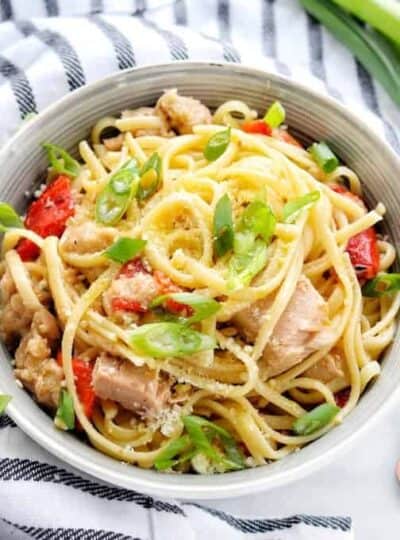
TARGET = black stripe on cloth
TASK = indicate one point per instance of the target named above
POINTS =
(269, 36)
(61, 46)
(315, 48)
(20, 86)
(268, 28)
(269, 525)
(223, 13)
(36, 471)
(140, 6)
(316, 52)
(370, 98)
(96, 6)
(180, 12)
(176, 45)
(6, 421)
(51, 8)
(41, 533)
(123, 49)
(6, 10)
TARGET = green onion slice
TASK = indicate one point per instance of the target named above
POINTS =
(223, 226)
(65, 415)
(150, 177)
(249, 259)
(113, 201)
(202, 306)
(292, 209)
(383, 283)
(202, 432)
(166, 458)
(4, 401)
(316, 419)
(217, 144)
(169, 339)
(61, 161)
(259, 219)
(275, 116)
(9, 219)
(124, 249)
(324, 157)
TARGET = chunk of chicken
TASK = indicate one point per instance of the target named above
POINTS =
(299, 332)
(137, 389)
(88, 237)
(15, 319)
(333, 366)
(35, 367)
(182, 113)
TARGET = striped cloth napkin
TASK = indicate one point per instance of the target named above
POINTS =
(49, 48)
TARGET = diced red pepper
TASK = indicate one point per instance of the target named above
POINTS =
(27, 250)
(342, 397)
(285, 136)
(83, 372)
(125, 304)
(131, 268)
(364, 253)
(257, 126)
(344, 191)
(363, 247)
(167, 286)
(48, 215)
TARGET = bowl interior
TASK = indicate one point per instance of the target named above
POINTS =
(319, 118)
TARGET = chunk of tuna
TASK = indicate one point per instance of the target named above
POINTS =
(137, 389)
(299, 332)
(182, 113)
(35, 367)
(331, 367)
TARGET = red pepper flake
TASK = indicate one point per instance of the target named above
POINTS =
(125, 304)
(342, 397)
(83, 373)
(133, 267)
(257, 126)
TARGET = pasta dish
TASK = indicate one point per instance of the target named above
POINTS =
(198, 292)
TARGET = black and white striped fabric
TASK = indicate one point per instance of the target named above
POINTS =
(51, 47)
(43, 499)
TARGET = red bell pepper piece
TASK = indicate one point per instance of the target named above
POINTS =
(257, 126)
(131, 268)
(364, 253)
(48, 215)
(167, 286)
(125, 304)
(344, 191)
(363, 247)
(342, 397)
(285, 136)
(83, 372)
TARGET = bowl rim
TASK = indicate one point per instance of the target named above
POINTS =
(158, 484)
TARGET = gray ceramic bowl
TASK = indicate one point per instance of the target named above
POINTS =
(309, 113)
